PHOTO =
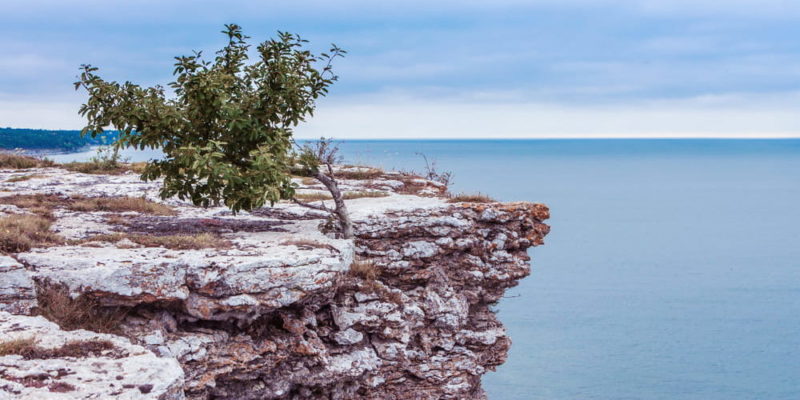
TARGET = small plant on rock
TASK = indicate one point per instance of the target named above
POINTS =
(316, 160)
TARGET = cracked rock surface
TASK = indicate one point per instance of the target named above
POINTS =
(121, 370)
(278, 313)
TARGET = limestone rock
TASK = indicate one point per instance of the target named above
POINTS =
(101, 366)
(277, 313)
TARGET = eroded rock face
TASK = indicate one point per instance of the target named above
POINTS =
(96, 365)
(278, 314)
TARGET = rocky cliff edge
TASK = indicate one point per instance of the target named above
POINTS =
(202, 304)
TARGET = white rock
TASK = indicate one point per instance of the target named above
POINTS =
(126, 372)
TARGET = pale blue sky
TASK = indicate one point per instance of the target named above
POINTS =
(506, 68)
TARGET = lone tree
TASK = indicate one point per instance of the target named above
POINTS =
(226, 132)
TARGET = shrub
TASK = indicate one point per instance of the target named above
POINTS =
(107, 161)
(19, 233)
(364, 269)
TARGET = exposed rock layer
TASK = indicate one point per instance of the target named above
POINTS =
(283, 313)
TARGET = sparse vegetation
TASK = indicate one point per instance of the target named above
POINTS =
(22, 178)
(433, 174)
(309, 181)
(29, 349)
(316, 160)
(45, 203)
(30, 201)
(346, 196)
(317, 196)
(363, 194)
(120, 204)
(362, 173)
(470, 198)
(18, 161)
(174, 242)
(20, 232)
(90, 167)
(83, 312)
(364, 269)
(17, 346)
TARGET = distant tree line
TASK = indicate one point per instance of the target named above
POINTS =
(13, 138)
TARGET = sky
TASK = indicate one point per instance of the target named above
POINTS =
(448, 68)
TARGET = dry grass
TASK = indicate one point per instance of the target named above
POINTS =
(40, 204)
(363, 194)
(16, 161)
(55, 304)
(17, 346)
(19, 233)
(120, 204)
(174, 242)
(103, 168)
(364, 269)
(309, 181)
(471, 198)
(346, 195)
(312, 196)
(47, 202)
(22, 178)
(29, 350)
(359, 174)
(116, 219)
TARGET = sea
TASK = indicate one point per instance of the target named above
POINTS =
(672, 270)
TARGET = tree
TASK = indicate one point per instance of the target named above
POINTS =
(317, 160)
(226, 133)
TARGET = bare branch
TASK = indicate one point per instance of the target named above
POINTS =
(312, 206)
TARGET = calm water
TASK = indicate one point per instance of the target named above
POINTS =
(672, 270)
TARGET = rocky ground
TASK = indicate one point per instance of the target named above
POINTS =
(203, 304)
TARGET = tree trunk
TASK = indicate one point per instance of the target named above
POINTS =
(341, 208)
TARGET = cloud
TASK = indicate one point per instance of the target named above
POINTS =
(554, 67)
(708, 116)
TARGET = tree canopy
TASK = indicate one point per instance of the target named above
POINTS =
(226, 128)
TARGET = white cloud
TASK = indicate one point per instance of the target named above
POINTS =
(709, 116)
(406, 117)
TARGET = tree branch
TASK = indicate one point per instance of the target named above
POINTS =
(312, 206)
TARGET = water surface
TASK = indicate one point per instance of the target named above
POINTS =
(672, 270)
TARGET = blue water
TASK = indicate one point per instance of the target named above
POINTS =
(672, 270)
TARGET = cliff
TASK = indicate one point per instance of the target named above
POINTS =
(261, 305)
